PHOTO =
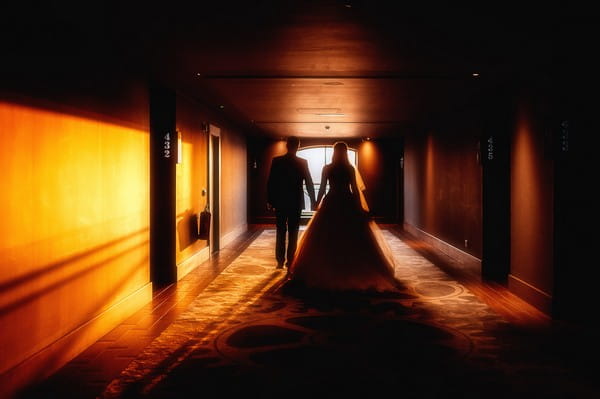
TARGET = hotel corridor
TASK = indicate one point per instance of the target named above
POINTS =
(136, 237)
(232, 328)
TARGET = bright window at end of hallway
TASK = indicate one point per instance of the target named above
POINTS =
(317, 157)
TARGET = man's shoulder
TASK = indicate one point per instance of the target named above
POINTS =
(289, 160)
(278, 159)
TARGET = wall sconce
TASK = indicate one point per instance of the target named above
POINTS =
(179, 147)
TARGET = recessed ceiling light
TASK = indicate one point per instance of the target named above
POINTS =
(221, 106)
(316, 111)
(475, 74)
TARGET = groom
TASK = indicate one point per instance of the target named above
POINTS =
(285, 194)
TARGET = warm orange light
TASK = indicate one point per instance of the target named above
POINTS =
(74, 207)
(179, 147)
(368, 152)
(191, 180)
(430, 187)
(530, 190)
(280, 147)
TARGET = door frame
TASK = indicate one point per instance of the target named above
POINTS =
(214, 186)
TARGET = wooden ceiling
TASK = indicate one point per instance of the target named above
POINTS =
(321, 68)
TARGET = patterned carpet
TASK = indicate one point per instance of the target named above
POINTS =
(253, 335)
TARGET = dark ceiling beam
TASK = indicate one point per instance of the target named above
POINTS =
(325, 77)
(332, 122)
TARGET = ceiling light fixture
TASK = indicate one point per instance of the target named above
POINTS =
(317, 111)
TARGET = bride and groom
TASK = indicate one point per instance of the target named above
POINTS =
(341, 249)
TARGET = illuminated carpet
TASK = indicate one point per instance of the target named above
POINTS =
(250, 335)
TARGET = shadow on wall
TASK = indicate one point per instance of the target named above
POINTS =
(57, 274)
(31, 389)
(187, 229)
(58, 299)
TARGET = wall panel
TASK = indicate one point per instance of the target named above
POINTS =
(74, 232)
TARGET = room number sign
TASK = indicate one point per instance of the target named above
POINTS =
(167, 145)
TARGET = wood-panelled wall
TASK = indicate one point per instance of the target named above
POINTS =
(74, 237)
(234, 186)
(532, 203)
(442, 184)
(192, 178)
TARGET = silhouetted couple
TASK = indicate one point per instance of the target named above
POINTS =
(286, 196)
(341, 249)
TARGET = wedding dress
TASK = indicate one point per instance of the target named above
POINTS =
(342, 249)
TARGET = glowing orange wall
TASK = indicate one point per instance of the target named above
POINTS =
(532, 207)
(233, 182)
(191, 178)
(379, 165)
(74, 227)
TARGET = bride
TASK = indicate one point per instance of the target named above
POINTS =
(342, 249)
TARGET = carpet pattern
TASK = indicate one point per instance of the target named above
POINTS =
(251, 333)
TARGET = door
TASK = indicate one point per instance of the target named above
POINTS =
(214, 186)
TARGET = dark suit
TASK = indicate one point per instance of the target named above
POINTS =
(286, 195)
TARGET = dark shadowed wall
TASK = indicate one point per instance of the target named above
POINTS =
(532, 202)
(442, 183)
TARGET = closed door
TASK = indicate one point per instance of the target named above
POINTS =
(215, 187)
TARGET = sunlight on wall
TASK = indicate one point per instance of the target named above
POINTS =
(191, 178)
(74, 207)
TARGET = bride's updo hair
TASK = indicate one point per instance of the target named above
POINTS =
(340, 153)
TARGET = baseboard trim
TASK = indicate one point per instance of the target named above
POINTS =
(47, 361)
(533, 295)
(192, 262)
(228, 238)
(467, 262)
